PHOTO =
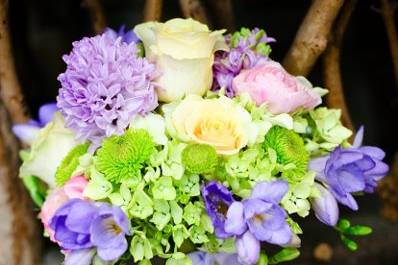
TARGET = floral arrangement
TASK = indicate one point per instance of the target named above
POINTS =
(172, 141)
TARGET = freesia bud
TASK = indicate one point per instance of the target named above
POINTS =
(325, 206)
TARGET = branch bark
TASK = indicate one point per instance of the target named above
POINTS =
(387, 10)
(223, 13)
(194, 9)
(312, 36)
(10, 88)
(331, 64)
(96, 14)
(153, 10)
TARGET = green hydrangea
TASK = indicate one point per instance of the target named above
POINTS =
(199, 158)
(69, 164)
(122, 157)
(290, 149)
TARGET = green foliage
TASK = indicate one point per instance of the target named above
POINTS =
(345, 229)
(244, 33)
(37, 189)
(69, 164)
(122, 157)
(284, 255)
(289, 148)
(199, 158)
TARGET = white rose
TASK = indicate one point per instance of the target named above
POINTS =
(183, 50)
(48, 150)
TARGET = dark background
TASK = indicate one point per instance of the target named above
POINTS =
(43, 30)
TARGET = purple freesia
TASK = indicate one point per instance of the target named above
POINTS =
(104, 87)
(259, 218)
(217, 199)
(28, 131)
(325, 206)
(349, 170)
(127, 37)
(205, 258)
(80, 226)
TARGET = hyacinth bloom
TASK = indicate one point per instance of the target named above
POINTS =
(79, 226)
(349, 170)
(217, 199)
(27, 132)
(259, 218)
(104, 87)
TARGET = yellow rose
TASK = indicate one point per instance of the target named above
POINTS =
(183, 50)
(216, 122)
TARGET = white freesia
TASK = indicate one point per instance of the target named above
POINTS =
(183, 50)
(154, 124)
(48, 150)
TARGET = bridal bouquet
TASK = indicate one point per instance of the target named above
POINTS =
(173, 142)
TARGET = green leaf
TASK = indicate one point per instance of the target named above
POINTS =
(180, 233)
(263, 259)
(176, 212)
(359, 230)
(206, 223)
(192, 214)
(162, 216)
(164, 189)
(145, 262)
(141, 206)
(179, 258)
(343, 224)
(349, 243)
(140, 248)
(286, 254)
(36, 188)
(98, 187)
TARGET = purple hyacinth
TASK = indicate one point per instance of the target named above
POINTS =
(242, 55)
(27, 132)
(217, 199)
(259, 218)
(79, 226)
(127, 37)
(349, 170)
(104, 86)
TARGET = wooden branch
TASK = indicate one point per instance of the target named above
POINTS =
(312, 36)
(194, 9)
(20, 239)
(10, 88)
(222, 11)
(331, 64)
(387, 10)
(153, 10)
(96, 14)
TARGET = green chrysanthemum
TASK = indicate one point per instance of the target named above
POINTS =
(121, 157)
(69, 164)
(199, 158)
(289, 147)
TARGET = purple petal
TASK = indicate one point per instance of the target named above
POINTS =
(80, 257)
(253, 207)
(105, 232)
(80, 216)
(226, 259)
(248, 248)
(110, 254)
(358, 138)
(281, 236)
(351, 180)
(318, 164)
(373, 152)
(46, 113)
(346, 199)
(235, 223)
(202, 258)
(270, 191)
(325, 206)
(380, 169)
(26, 133)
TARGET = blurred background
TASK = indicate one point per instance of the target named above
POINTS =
(42, 31)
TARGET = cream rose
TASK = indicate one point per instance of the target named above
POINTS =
(216, 122)
(183, 50)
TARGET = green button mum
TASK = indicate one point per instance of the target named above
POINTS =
(199, 158)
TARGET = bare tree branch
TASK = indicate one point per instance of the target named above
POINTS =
(387, 10)
(96, 14)
(312, 36)
(10, 88)
(153, 10)
(223, 13)
(331, 64)
(194, 9)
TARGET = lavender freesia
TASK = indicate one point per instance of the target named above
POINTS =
(104, 87)
(325, 206)
(205, 258)
(27, 132)
(349, 170)
(80, 226)
(217, 199)
(127, 36)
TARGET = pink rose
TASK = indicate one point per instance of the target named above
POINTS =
(73, 189)
(270, 83)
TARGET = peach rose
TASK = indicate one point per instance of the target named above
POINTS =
(270, 83)
(73, 189)
(216, 122)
